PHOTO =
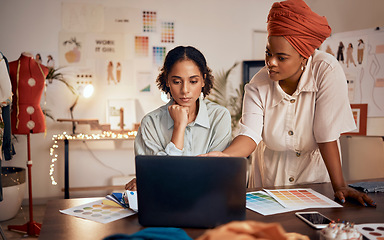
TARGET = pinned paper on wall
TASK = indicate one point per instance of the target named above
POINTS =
(361, 55)
(72, 48)
(167, 32)
(141, 46)
(149, 21)
(144, 82)
(106, 46)
(82, 17)
(122, 20)
(158, 55)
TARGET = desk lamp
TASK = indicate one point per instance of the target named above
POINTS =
(84, 89)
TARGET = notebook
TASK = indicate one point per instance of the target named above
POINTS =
(192, 192)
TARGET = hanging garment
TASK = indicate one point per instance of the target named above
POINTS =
(6, 100)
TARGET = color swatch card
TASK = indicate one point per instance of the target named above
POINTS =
(99, 212)
(372, 231)
(264, 204)
(158, 55)
(301, 198)
(149, 21)
(141, 46)
(167, 32)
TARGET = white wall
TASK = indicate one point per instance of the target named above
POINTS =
(352, 15)
(221, 29)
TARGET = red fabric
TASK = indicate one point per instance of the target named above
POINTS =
(26, 96)
(304, 29)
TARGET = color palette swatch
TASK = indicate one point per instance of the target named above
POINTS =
(168, 32)
(98, 212)
(301, 198)
(372, 231)
(270, 202)
(158, 55)
(263, 203)
(149, 21)
(141, 46)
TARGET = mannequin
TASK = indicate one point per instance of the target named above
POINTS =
(28, 81)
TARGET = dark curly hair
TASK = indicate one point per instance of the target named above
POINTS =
(181, 53)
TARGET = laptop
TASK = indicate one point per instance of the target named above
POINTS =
(191, 192)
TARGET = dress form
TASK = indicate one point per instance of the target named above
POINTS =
(28, 82)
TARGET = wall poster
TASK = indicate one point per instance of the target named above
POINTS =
(361, 54)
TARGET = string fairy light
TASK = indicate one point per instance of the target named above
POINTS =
(105, 136)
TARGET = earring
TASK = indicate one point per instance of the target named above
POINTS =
(302, 68)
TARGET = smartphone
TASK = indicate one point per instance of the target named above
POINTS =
(314, 219)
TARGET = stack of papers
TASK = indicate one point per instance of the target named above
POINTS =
(275, 201)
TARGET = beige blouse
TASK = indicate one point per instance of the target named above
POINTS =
(287, 128)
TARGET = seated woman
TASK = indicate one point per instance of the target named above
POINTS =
(188, 124)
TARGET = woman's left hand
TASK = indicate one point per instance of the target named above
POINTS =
(347, 192)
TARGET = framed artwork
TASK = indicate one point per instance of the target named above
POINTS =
(250, 68)
(359, 112)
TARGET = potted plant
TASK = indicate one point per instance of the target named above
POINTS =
(219, 94)
(56, 74)
(14, 187)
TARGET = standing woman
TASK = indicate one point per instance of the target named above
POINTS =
(297, 106)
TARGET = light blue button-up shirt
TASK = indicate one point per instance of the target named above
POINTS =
(211, 131)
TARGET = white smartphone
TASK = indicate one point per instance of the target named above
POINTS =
(314, 219)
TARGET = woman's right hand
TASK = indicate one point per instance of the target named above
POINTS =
(131, 186)
(179, 114)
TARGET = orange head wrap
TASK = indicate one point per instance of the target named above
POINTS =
(304, 29)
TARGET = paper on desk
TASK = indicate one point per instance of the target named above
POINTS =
(98, 212)
(301, 198)
(264, 204)
(275, 201)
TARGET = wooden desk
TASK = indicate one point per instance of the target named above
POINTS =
(61, 226)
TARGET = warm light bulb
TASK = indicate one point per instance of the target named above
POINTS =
(88, 90)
